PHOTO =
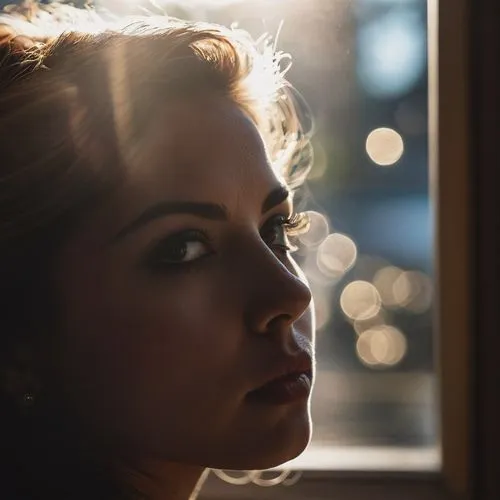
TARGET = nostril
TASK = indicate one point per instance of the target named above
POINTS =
(278, 296)
(279, 321)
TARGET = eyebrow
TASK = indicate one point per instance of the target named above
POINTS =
(211, 211)
(276, 197)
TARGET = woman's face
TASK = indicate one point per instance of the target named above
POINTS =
(180, 301)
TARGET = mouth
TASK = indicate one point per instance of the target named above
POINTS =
(291, 382)
(284, 390)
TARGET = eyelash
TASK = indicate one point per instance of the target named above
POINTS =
(296, 224)
(293, 226)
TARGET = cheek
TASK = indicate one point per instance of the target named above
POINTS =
(146, 347)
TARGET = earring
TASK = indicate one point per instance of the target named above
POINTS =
(28, 399)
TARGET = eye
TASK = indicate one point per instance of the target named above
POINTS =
(276, 233)
(180, 249)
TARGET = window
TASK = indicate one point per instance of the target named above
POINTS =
(388, 246)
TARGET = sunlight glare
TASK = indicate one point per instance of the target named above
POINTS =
(384, 146)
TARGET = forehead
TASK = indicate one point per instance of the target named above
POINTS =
(204, 150)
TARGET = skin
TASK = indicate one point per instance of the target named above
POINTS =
(160, 355)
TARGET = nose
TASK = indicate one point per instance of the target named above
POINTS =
(279, 294)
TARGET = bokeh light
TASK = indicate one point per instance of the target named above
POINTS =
(391, 50)
(317, 232)
(412, 290)
(403, 288)
(384, 282)
(381, 346)
(309, 265)
(360, 300)
(362, 325)
(384, 146)
(336, 255)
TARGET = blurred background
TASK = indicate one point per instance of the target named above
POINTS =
(362, 67)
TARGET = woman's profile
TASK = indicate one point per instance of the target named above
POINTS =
(154, 323)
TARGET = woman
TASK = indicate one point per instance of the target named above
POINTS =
(154, 323)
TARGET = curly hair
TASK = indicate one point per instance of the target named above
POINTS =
(77, 93)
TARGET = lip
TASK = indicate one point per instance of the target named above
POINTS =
(288, 382)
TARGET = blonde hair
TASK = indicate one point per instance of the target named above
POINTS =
(77, 92)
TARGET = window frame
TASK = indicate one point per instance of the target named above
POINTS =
(484, 131)
(449, 36)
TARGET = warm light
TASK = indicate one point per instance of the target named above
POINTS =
(317, 232)
(362, 325)
(409, 289)
(360, 300)
(415, 291)
(336, 255)
(384, 146)
(383, 345)
(403, 289)
(384, 281)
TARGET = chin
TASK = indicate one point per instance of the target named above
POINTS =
(272, 458)
(282, 452)
(268, 448)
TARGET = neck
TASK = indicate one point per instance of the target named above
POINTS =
(164, 480)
